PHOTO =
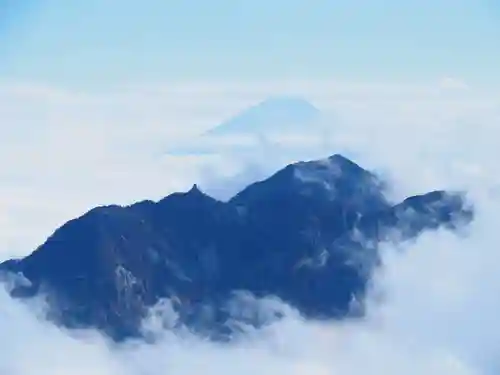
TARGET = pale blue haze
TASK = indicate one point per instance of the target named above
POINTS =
(93, 42)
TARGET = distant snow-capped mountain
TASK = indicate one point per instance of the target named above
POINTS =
(282, 121)
(274, 115)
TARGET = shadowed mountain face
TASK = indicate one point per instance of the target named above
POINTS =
(290, 236)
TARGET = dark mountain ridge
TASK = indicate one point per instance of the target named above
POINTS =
(291, 236)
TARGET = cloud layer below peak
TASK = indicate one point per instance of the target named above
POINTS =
(433, 305)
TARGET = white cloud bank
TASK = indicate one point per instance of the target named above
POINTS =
(440, 297)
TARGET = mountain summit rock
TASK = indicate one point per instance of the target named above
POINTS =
(305, 235)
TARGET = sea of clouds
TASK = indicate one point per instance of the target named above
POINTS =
(432, 308)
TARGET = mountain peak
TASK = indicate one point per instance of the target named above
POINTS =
(332, 179)
(286, 102)
(277, 113)
(340, 159)
(193, 196)
(333, 165)
(194, 190)
(332, 169)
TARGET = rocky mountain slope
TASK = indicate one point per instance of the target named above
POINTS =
(306, 235)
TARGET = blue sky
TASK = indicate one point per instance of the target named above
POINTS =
(99, 42)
